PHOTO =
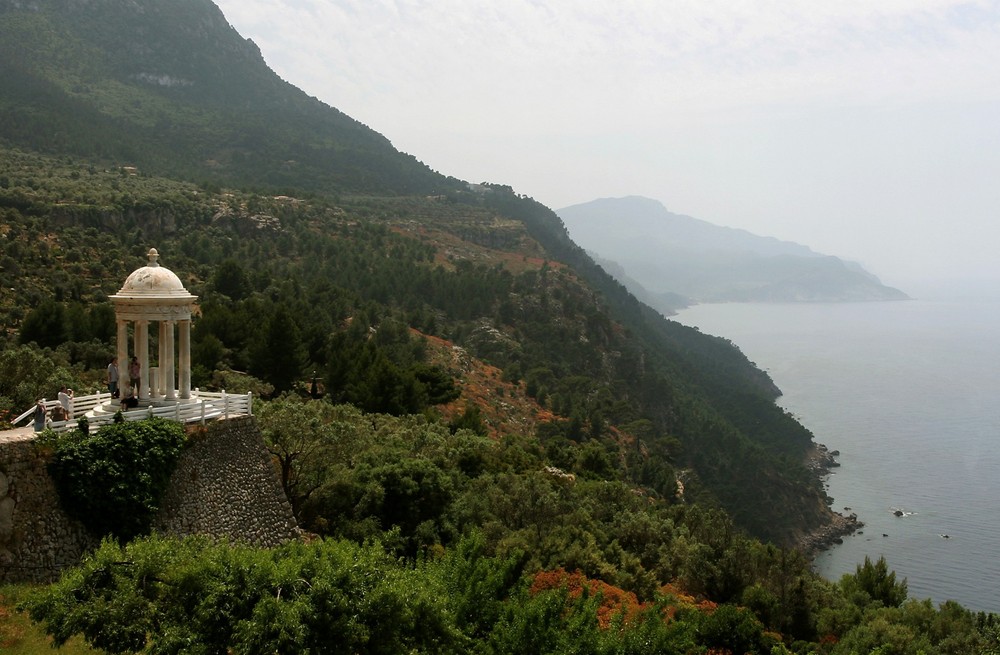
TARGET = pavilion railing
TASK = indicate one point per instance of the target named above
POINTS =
(204, 406)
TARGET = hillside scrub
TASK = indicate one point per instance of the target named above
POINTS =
(624, 403)
(421, 490)
(160, 595)
(348, 291)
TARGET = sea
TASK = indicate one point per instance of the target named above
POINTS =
(909, 393)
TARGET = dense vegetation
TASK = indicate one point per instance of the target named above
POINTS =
(166, 596)
(438, 540)
(336, 596)
(113, 480)
(351, 291)
(504, 441)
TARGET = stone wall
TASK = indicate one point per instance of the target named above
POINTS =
(225, 486)
(37, 539)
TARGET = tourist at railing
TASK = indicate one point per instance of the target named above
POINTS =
(39, 415)
(65, 403)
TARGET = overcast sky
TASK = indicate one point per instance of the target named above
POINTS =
(867, 129)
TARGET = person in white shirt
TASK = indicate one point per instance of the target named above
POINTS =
(66, 400)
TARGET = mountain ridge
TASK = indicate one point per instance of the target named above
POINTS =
(667, 253)
(198, 103)
(648, 216)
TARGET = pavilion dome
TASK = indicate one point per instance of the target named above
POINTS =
(152, 280)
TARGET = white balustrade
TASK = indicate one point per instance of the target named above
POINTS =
(202, 407)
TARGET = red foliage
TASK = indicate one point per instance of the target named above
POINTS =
(545, 416)
(503, 406)
(614, 600)
(670, 589)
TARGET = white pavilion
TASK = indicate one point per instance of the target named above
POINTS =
(154, 297)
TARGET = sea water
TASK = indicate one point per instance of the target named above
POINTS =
(909, 393)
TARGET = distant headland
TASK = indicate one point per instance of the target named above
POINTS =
(671, 261)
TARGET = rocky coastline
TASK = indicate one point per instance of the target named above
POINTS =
(820, 460)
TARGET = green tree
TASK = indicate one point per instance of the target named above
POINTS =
(733, 629)
(304, 440)
(876, 582)
(27, 374)
(470, 419)
(45, 325)
(548, 622)
(113, 481)
(278, 354)
(161, 596)
(409, 494)
(230, 279)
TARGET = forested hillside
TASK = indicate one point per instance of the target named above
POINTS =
(171, 86)
(489, 397)
(295, 275)
(291, 286)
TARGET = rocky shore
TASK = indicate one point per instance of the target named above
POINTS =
(820, 460)
(829, 534)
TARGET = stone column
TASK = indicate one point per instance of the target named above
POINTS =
(184, 334)
(136, 349)
(161, 377)
(142, 346)
(167, 363)
(122, 353)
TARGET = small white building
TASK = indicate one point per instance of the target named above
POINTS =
(153, 297)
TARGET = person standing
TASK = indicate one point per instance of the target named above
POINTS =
(66, 400)
(134, 373)
(113, 377)
(40, 415)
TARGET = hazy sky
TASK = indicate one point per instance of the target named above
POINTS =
(868, 129)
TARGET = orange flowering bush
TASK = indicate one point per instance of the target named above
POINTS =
(614, 601)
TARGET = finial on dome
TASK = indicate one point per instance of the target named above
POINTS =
(153, 256)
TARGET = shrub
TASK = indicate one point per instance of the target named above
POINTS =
(113, 481)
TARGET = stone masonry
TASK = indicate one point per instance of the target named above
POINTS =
(225, 486)
(37, 539)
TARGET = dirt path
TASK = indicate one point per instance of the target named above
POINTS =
(17, 434)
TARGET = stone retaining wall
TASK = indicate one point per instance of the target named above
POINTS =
(225, 486)
(37, 539)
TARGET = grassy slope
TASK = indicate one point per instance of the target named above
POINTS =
(19, 636)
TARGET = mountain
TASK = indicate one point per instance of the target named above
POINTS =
(171, 86)
(315, 246)
(676, 255)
